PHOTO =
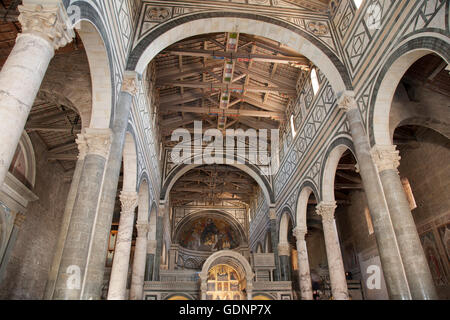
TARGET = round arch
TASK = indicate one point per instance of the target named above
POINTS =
(101, 79)
(179, 296)
(212, 22)
(329, 167)
(250, 169)
(306, 190)
(263, 296)
(283, 225)
(203, 213)
(268, 242)
(235, 260)
(393, 70)
(259, 248)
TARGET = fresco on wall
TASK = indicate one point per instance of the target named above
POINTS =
(434, 258)
(444, 232)
(209, 234)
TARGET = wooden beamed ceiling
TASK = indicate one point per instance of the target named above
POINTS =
(214, 185)
(228, 81)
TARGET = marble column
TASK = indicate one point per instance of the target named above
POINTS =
(18, 222)
(388, 249)
(335, 264)
(93, 281)
(173, 256)
(44, 29)
(304, 274)
(274, 237)
(159, 242)
(119, 273)
(76, 247)
(420, 280)
(140, 257)
(151, 249)
(284, 254)
(50, 286)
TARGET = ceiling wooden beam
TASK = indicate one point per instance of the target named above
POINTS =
(52, 128)
(239, 55)
(228, 112)
(223, 86)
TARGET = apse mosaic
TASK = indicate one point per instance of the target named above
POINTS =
(209, 234)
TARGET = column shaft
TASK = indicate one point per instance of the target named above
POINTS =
(392, 264)
(304, 274)
(20, 80)
(140, 255)
(417, 270)
(119, 273)
(43, 31)
(92, 284)
(335, 264)
(53, 274)
(274, 238)
(73, 261)
(158, 251)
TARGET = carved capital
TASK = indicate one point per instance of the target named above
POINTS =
(272, 214)
(142, 229)
(19, 220)
(300, 233)
(129, 201)
(98, 141)
(347, 101)
(326, 211)
(284, 249)
(82, 146)
(386, 157)
(49, 22)
(162, 209)
(130, 83)
(151, 246)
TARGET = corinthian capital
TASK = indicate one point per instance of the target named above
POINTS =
(48, 20)
(300, 232)
(347, 101)
(386, 157)
(98, 141)
(284, 249)
(129, 201)
(130, 83)
(326, 211)
(142, 229)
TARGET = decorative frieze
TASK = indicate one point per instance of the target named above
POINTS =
(386, 157)
(50, 22)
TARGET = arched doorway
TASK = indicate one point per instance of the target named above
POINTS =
(224, 283)
(226, 275)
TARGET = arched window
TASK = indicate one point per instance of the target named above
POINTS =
(315, 81)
